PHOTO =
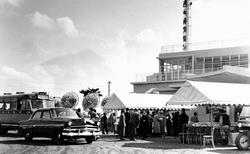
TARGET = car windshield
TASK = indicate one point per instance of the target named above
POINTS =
(245, 111)
(66, 113)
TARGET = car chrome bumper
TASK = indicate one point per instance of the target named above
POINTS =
(78, 133)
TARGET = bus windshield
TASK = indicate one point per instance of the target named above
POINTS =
(35, 104)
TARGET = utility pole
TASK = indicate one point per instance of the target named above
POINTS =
(109, 88)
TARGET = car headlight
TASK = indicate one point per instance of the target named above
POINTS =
(239, 124)
(69, 123)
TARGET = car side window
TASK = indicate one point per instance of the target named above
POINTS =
(46, 115)
(53, 113)
(37, 115)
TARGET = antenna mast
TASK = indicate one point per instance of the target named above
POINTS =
(186, 24)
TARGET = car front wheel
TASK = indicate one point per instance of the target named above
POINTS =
(59, 139)
(28, 136)
(242, 141)
(89, 140)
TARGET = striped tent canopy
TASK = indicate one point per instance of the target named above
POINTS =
(139, 101)
(214, 93)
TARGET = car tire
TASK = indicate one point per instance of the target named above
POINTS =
(89, 140)
(28, 136)
(59, 139)
(242, 141)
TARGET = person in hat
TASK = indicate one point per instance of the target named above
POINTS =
(104, 124)
(127, 117)
(144, 125)
(194, 118)
(133, 123)
(224, 121)
(122, 125)
(183, 120)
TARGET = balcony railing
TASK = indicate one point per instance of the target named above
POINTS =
(206, 45)
(175, 75)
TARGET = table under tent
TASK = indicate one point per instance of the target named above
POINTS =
(211, 97)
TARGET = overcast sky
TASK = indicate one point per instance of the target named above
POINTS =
(69, 45)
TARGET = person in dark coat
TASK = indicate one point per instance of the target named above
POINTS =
(168, 125)
(183, 119)
(104, 124)
(78, 112)
(144, 125)
(194, 118)
(127, 117)
(133, 123)
(122, 125)
(176, 123)
(150, 121)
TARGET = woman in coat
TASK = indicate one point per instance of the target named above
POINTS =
(156, 124)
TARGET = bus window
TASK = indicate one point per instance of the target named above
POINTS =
(49, 103)
(35, 104)
(7, 106)
(1, 106)
(19, 104)
(25, 105)
(13, 105)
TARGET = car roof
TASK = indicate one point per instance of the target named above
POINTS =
(50, 108)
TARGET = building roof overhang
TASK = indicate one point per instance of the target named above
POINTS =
(229, 74)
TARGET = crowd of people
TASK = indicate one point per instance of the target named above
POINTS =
(134, 123)
(141, 123)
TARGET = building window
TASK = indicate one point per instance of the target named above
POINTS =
(234, 60)
(188, 64)
(244, 60)
(161, 65)
(225, 60)
(216, 63)
(208, 64)
(199, 65)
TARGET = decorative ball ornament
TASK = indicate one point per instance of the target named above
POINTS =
(105, 100)
(70, 100)
(90, 101)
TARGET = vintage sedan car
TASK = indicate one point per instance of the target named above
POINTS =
(58, 124)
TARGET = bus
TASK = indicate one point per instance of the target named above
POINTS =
(19, 106)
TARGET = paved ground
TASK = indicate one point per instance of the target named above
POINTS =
(108, 145)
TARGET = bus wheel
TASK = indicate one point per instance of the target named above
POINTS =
(242, 141)
(28, 136)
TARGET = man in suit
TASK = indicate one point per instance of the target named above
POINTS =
(133, 123)
(122, 125)
(127, 117)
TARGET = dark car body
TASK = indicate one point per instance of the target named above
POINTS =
(57, 124)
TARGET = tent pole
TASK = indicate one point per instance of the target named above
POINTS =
(211, 112)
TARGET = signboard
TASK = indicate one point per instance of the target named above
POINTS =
(42, 96)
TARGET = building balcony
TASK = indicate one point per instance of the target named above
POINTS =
(178, 75)
(206, 45)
